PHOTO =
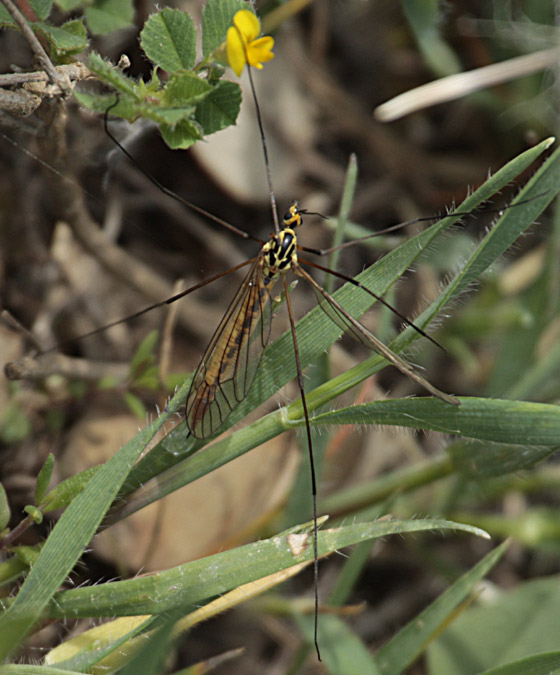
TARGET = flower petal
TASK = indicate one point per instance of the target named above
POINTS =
(248, 24)
(244, 45)
(235, 51)
(260, 51)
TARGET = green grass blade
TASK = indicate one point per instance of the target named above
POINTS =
(70, 536)
(342, 651)
(343, 215)
(28, 669)
(518, 624)
(411, 640)
(478, 459)
(534, 428)
(195, 582)
(424, 19)
(92, 652)
(401, 481)
(500, 421)
(542, 188)
(539, 664)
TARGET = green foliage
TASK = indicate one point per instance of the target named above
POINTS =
(343, 651)
(192, 103)
(135, 405)
(44, 478)
(63, 493)
(480, 638)
(143, 369)
(531, 427)
(4, 508)
(216, 19)
(171, 464)
(27, 554)
(424, 19)
(42, 9)
(105, 16)
(34, 513)
(102, 16)
(67, 540)
(169, 40)
(70, 5)
(14, 425)
(410, 641)
(63, 41)
(230, 570)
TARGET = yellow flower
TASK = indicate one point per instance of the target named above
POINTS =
(244, 46)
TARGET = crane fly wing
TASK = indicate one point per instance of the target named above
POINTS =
(231, 360)
(350, 325)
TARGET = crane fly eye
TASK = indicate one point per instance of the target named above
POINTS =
(292, 217)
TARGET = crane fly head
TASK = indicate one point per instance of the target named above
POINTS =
(293, 216)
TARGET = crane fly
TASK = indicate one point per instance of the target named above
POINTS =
(232, 358)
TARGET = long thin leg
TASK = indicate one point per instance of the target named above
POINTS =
(173, 298)
(265, 151)
(166, 190)
(311, 466)
(356, 283)
(348, 323)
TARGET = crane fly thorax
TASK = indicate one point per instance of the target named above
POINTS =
(278, 254)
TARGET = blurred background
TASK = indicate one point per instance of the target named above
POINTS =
(335, 63)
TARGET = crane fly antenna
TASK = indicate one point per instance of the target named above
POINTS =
(305, 212)
(406, 223)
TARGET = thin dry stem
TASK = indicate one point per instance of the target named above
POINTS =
(58, 79)
(58, 364)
